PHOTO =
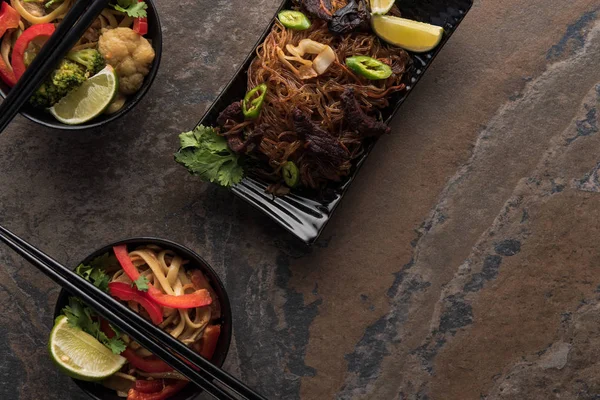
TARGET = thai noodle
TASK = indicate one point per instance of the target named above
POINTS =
(165, 270)
(319, 97)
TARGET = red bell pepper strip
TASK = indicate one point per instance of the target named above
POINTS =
(123, 291)
(145, 364)
(140, 25)
(210, 338)
(123, 256)
(154, 386)
(31, 33)
(199, 298)
(167, 392)
(9, 19)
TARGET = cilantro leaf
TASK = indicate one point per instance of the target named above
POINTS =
(142, 283)
(82, 317)
(116, 345)
(132, 8)
(96, 276)
(207, 155)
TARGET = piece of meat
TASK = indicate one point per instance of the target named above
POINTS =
(233, 113)
(354, 16)
(318, 141)
(239, 146)
(358, 120)
(319, 8)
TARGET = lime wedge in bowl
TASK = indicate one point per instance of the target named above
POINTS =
(89, 100)
(79, 354)
(380, 7)
(408, 34)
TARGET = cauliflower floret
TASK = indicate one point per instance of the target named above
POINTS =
(130, 54)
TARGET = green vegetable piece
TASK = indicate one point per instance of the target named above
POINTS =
(67, 76)
(96, 276)
(51, 3)
(294, 20)
(132, 8)
(369, 67)
(141, 283)
(208, 156)
(91, 59)
(82, 317)
(291, 174)
(253, 102)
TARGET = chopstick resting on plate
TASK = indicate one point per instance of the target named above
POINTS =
(198, 370)
(70, 30)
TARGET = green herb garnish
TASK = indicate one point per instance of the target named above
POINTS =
(207, 155)
(141, 283)
(132, 8)
(96, 276)
(82, 317)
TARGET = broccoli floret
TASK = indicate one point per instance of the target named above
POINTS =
(91, 59)
(66, 77)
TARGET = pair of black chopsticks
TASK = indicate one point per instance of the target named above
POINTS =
(204, 374)
(73, 26)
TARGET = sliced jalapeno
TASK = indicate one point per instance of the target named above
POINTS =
(253, 102)
(369, 67)
(294, 20)
(291, 175)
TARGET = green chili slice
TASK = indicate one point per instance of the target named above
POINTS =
(294, 20)
(369, 67)
(253, 102)
(291, 175)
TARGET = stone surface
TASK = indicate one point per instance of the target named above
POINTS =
(463, 263)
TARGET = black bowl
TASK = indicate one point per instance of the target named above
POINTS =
(99, 392)
(43, 117)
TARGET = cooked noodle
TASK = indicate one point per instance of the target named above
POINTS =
(58, 12)
(318, 97)
(164, 269)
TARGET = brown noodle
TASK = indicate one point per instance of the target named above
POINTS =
(318, 97)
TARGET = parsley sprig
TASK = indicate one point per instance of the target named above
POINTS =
(141, 283)
(83, 317)
(132, 8)
(208, 156)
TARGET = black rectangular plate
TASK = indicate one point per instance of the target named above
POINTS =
(305, 214)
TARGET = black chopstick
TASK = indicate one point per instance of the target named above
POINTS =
(149, 336)
(73, 26)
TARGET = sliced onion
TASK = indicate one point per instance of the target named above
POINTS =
(310, 69)
(324, 60)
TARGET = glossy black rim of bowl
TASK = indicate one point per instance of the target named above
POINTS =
(46, 119)
(99, 392)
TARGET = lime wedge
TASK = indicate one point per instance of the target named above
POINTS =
(410, 35)
(380, 7)
(79, 354)
(89, 100)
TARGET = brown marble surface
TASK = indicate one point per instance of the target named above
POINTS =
(463, 263)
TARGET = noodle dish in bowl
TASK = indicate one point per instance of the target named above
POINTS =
(102, 76)
(167, 284)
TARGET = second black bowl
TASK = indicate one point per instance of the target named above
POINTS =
(44, 118)
(99, 392)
